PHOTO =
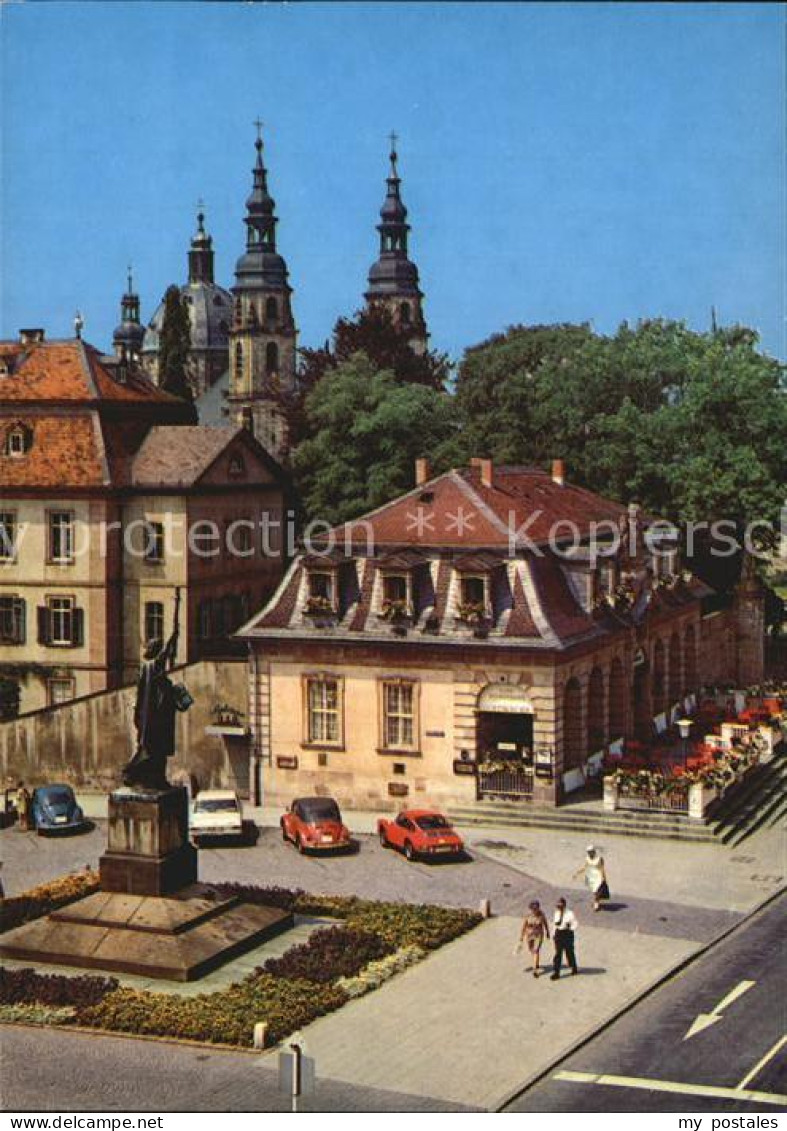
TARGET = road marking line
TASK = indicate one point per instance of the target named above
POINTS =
(733, 995)
(704, 1020)
(671, 1086)
(770, 1054)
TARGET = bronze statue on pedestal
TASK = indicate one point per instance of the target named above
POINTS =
(157, 703)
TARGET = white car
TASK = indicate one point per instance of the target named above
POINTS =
(216, 814)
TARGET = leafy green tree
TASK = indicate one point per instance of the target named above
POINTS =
(366, 429)
(690, 425)
(372, 332)
(174, 345)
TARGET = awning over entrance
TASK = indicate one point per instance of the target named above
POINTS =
(505, 699)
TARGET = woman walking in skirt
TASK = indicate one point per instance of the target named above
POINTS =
(534, 930)
(595, 876)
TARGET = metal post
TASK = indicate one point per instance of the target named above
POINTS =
(296, 1075)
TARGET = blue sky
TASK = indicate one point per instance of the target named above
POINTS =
(560, 162)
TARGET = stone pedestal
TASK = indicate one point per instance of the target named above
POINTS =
(148, 848)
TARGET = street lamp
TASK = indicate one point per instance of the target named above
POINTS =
(684, 726)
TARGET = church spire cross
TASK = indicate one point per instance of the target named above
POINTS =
(393, 137)
(130, 280)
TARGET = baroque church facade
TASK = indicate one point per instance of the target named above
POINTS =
(243, 360)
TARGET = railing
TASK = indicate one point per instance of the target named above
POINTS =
(676, 801)
(510, 784)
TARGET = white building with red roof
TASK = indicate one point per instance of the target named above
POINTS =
(490, 633)
(103, 478)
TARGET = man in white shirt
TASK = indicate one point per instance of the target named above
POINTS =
(565, 926)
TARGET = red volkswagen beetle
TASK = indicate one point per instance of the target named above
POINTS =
(420, 832)
(315, 824)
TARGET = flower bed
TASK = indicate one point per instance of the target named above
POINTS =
(373, 942)
(40, 900)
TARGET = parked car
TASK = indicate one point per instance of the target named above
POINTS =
(217, 815)
(54, 809)
(314, 824)
(420, 832)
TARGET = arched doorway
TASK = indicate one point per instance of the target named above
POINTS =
(643, 716)
(675, 680)
(595, 711)
(572, 725)
(504, 741)
(690, 661)
(617, 701)
(659, 679)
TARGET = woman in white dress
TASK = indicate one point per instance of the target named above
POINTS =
(595, 876)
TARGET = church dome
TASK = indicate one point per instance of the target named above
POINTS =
(393, 274)
(210, 315)
(130, 335)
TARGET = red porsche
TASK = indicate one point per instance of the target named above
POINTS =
(314, 824)
(420, 832)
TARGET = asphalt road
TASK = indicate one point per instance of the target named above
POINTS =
(47, 1070)
(647, 1050)
(373, 873)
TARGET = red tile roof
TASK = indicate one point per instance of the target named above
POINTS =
(69, 371)
(66, 451)
(457, 509)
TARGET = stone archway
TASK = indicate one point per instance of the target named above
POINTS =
(641, 700)
(690, 660)
(675, 679)
(572, 725)
(617, 701)
(659, 686)
(596, 728)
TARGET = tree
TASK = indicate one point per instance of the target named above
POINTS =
(372, 332)
(174, 345)
(690, 425)
(366, 429)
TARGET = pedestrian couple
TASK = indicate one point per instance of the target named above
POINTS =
(535, 929)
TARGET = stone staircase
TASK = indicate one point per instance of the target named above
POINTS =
(760, 801)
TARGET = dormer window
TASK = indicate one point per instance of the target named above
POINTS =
(18, 441)
(322, 592)
(473, 598)
(396, 596)
(236, 468)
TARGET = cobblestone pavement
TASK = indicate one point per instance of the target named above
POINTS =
(371, 872)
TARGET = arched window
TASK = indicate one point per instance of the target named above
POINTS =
(271, 309)
(252, 314)
(659, 689)
(572, 725)
(271, 358)
(675, 680)
(617, 701)
(596, 711)
(405, 313)
(690, 661)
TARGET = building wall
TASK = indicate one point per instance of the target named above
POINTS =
(34, 578)
(88, 741)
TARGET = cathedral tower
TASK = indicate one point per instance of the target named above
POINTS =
(263, 333)
(393, 279)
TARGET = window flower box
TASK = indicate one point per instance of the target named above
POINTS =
(472, 613)
(394, 611)
(319, 607)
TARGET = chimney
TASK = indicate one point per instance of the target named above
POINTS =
(422, 472)
(485, 470)
(30, 337)
(558, 472)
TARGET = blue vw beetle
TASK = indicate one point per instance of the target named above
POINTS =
(55, 809)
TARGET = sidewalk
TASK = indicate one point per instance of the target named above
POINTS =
(470, 1023)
